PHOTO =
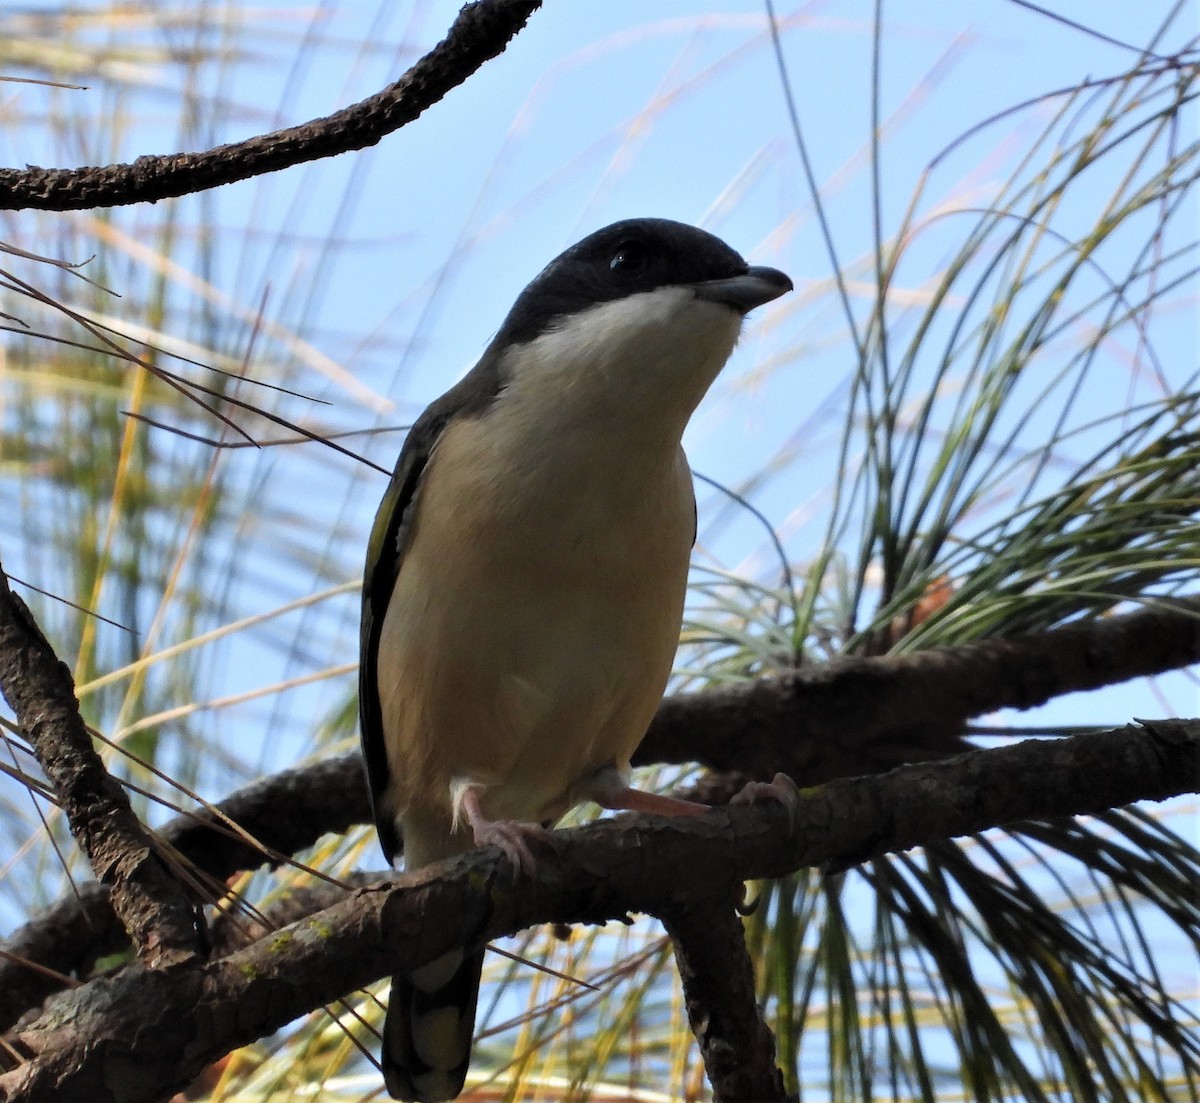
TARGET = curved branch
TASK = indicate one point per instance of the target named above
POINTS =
(481, 31)
(150, 903)
(57, 943)
(142, 1034)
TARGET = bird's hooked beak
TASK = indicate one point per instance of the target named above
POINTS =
(744, 292)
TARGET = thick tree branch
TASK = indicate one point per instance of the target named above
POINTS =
(275, 816)
(850, 716)
(71, 935)
(481, 31)
(718, 986)
(150, 903)
(66, 938)
(143, 1033)
(236, 929)
(854, 716)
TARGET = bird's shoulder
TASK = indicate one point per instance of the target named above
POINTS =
(470, 397)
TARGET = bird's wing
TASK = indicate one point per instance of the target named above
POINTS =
(390, 537)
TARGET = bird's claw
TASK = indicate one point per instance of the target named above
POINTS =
(512, 837)
(780, 788)
(745, 905)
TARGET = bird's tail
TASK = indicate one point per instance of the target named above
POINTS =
(427, 1032)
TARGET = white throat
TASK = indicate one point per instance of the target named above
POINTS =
(635, 368)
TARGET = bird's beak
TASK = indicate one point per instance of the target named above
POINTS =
(752, 288)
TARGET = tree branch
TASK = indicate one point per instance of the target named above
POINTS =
(275, 816)
(481, 31)
(850, 716)
(66, 938)
(142, 1034)
(718, 987)
(236, 929)
(859, 715)
(150, 903)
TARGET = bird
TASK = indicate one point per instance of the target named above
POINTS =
(525, 580)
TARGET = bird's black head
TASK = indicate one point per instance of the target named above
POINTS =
(627, 258)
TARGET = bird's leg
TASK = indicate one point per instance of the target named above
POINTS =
(609, 790)
(511, 836)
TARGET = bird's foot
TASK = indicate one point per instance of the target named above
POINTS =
(780, 788)
(511, 836)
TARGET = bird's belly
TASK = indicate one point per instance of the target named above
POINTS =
(524, 662)
(524, 687)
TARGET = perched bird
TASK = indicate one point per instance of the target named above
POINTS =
(525, 580)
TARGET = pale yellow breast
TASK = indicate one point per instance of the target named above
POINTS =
(534, 621)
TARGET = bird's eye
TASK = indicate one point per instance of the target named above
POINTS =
(629, 257)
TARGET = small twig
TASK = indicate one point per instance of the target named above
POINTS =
(151, 905)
